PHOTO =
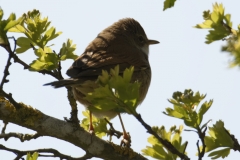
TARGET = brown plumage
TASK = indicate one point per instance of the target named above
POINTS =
(125, 44)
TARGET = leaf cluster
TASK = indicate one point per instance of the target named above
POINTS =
(185, 107)
(218, 22)
(158, 151)
(37, 34)
(115, 92)
(218, 138)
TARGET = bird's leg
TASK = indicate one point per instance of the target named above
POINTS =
(91, 129)
(126, 141)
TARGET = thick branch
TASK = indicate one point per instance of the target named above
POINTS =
(45, 125)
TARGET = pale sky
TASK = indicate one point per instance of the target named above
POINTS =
(181, 61)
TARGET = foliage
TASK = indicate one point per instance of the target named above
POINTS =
(185, 107)
(218, 138)
(158, 151)
(6, 25)
(220, 26)
(115, 92)
(37, 35)
(233, 47)
(219, 23)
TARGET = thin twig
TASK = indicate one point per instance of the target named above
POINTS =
(20, 136)
(201, 135)
(59, 67)
(54, 153)
(73, 104)
(4, 127)
(6, 72)
(11, 100)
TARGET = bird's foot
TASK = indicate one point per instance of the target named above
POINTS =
(126, 141)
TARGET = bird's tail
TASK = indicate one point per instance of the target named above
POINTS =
(62, 83)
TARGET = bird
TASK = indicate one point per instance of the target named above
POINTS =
(125, 44)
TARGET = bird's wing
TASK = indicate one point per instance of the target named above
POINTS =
(92, 63)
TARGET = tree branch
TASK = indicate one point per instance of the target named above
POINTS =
(201, 135)
(45, 125)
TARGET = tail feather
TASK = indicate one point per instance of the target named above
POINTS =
(62, 83)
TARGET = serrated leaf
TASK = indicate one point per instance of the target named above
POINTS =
(47, 60)
(67, 51)
(24, 44)
(203, 109)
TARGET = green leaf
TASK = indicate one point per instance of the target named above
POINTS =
(12, 23)
(47, 60)
(67, 51)
(24, 44)
(218, 137)
(5, 25)
(50, 34)
(168, 4)
(203, 109)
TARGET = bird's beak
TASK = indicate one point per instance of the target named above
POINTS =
(152, 42)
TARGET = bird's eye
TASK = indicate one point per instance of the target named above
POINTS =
(141, 39)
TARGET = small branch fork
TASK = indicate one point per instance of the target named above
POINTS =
(166, 143)
(201, 135)
(55, 153)
(112, 131)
